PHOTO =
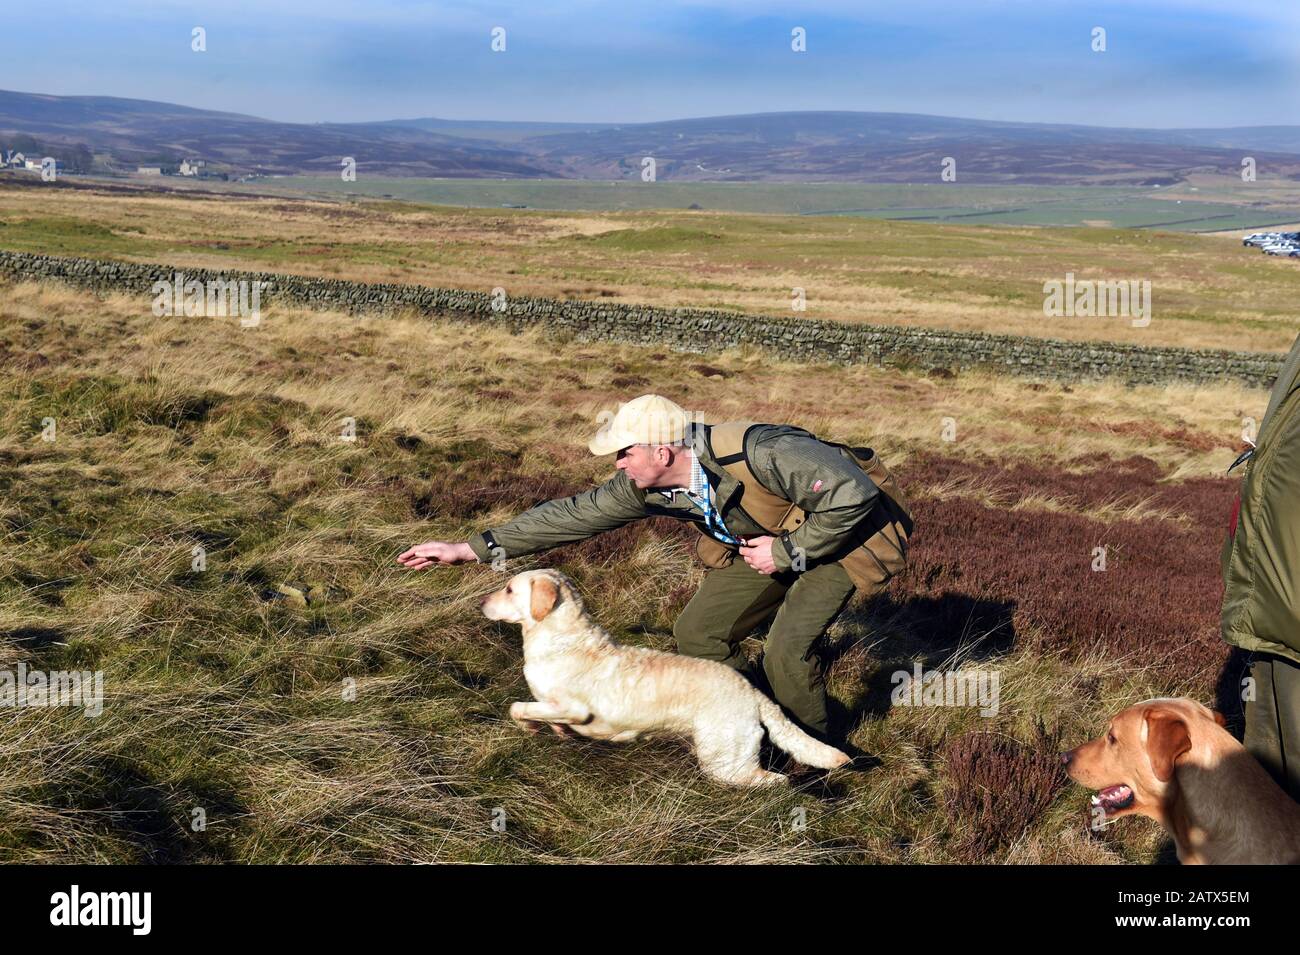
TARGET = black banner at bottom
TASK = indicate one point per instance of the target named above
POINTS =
(337, 904)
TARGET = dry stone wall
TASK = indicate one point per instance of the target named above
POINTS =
(694, 330)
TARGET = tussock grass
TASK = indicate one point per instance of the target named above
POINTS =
(369, 725)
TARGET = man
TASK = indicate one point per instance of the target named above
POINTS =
(1261, 570)
(810, 523)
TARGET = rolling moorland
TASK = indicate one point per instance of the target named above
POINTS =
(319, 703)
(1201, 203)
(1206, 292)
(763, 147)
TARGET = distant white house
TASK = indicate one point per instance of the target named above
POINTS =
(149, 170)
(192, 167)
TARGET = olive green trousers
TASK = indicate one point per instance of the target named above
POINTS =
(734, 600)
(1273, 720)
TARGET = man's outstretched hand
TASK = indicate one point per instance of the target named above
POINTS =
(436, 552)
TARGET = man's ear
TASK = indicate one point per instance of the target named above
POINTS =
(543, 597)
(1219, 718)
(1167, 739)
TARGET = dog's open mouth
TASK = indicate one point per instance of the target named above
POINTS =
(1114, 798)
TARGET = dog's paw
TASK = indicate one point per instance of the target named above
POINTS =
(528, 726)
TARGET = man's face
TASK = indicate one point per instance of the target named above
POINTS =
(645, 464)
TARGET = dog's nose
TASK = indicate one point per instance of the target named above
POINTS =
(1066, 757)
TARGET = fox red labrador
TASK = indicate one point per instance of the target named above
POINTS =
(1172, 760)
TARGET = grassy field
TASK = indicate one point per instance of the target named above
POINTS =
(1205, 291)
(369, 722)
(1204, 203)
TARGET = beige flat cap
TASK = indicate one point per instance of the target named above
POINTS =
(650, 419)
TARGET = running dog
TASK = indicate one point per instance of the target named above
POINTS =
(587, 684)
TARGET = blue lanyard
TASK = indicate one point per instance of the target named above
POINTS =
(712, 519)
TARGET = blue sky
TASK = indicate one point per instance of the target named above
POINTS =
(1168, 62)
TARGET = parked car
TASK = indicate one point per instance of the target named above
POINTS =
(1259, 238)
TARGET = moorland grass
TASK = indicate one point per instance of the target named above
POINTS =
(1205, 292)
(368, 723)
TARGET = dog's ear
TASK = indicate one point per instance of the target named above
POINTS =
(1167, 739)
(543, 597)
(1219, 718)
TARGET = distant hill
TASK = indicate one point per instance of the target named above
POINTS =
(902, 147)
(773, 147)
(128, 132)
(494, 130)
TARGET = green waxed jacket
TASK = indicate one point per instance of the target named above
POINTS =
(1261, 558)
(790, 462)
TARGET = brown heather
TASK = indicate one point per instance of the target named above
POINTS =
(996, 787)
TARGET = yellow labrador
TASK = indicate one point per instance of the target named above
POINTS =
(1172, 760)
(587, 684)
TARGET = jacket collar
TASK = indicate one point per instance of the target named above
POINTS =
(727, 485)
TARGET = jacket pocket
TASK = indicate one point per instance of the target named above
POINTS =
(890, 524)
(713, 553)
(791, 520)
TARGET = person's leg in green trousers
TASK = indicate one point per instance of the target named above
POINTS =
(1273, 720)
(734, 600)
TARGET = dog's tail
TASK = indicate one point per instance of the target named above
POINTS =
(795, 741)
